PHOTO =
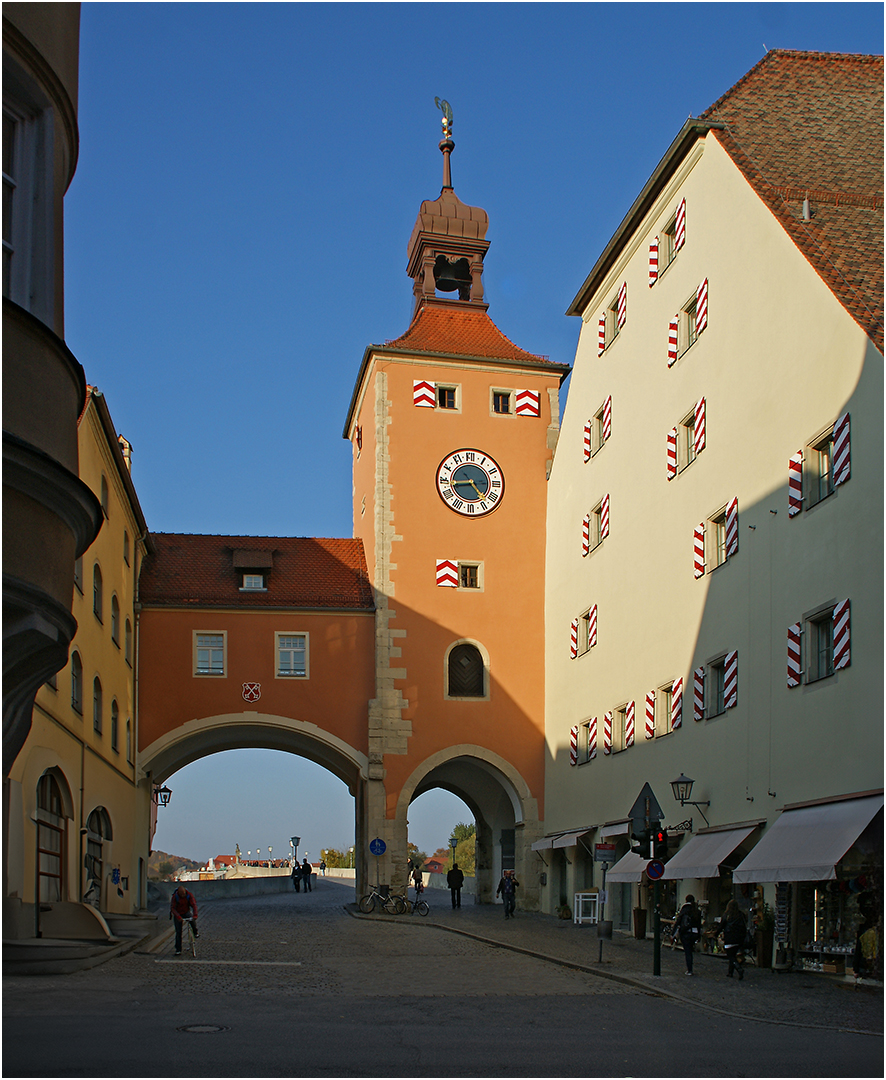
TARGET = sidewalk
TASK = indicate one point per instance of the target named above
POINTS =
(800, 999)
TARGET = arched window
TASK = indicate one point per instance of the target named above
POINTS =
(97, 705)
(97, 592)
(127, 642)
(104, 496)
(76, 682)
(126, 547)
(98, 829)
(129, 741)
(78, 574)
(466, 672)
(115, 621)
(51, 833)
(115, 727)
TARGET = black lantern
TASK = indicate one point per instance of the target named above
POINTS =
(682, 789)
(163, 794)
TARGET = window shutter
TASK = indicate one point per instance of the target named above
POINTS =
(573, 639)
(622, 306)
(586, 534)
(587, 439)
(698, 550)
(447, 573)
(841, 450)
(680, 230)
(795, 664)
(592, 738)
(424, 394)
(701, 307)
(676, 704)
(841, 635)
(607, 733)
(629, 723)
(673, 335)
(573, 746)
(730, 680)
(650, 715)
(528, 403)
(672, 453)
(607, 418)
(732, 528)
(699, 426)
(604, 518)
(653, 262)
(592, 627)
(601, 336)
(698, 694)
(795, 484)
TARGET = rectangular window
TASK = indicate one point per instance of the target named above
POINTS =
(716, 541)
(686, 441)
(292, 656)
(663, 709)
(501, 402)
(446, 397)
(253, 583)
(584, 731)
(209, 653)
(596, 526)
(820, 476)
(469, 575)
(612, 326)
(668, 248)
(78, 574)
(619, 717)
(688, 327)
(598, 430)
(716, 688)
(821, 645)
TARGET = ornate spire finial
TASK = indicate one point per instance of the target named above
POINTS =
(446, 145)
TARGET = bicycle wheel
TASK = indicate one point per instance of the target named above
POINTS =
(399, 904)
(422, 907)
(391, 906)
(367, 904)
(407, 905)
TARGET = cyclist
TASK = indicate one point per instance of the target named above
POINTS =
(181, 905)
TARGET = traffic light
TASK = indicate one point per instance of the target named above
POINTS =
(640, 843)
(660, 843)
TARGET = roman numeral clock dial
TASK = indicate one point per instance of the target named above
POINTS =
(470, 482)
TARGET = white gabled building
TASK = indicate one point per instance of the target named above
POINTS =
(715, 516)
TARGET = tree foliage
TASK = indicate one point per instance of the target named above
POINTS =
(465, 849)
(418, 857)
(334, 858)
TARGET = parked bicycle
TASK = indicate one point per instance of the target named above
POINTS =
(412, 906)
(392, 904)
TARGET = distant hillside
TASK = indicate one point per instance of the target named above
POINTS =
(162, 865)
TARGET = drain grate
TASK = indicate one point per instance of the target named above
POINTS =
(203, 1029)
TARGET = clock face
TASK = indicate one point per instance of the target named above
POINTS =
(470, 482)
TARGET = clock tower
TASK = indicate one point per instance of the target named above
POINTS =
(453, 429)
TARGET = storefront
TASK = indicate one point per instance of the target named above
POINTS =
(825, 861)
(630, 906)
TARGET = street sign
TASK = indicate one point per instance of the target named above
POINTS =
(378, 846)
(646, 807)
(654, 869)
(604, 852)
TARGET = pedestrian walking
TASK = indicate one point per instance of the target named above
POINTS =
(323, 867)
(455, 879)
(688, 925)
(507, 888)
(306, 872)
(735, 933)
(296, 876)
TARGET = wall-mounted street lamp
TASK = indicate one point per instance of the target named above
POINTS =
(162, 795)
(682, 789)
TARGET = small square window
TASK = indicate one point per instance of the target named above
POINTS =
(292, 656)
(446, 397)
(209, 650)
(468, 575)
(253, 583)
(501, 402)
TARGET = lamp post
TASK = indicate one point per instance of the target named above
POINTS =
(270, 849)
(163, 794)
(682, 789)
(351, 857)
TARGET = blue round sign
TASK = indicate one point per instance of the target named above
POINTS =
(654, 869)
(378, 846)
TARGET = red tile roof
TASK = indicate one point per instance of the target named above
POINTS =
(198, 571)
(457, 329)
(811, 124)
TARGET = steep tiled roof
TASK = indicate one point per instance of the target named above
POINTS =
(810, 125)
(455, 329)
(192, 570)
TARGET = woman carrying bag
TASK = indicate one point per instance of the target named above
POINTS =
(688, 925)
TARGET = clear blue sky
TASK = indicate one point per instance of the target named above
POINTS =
(236, 233)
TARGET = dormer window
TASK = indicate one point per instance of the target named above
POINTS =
(253, 583)
(252, 569)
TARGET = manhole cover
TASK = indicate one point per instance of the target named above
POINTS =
(203, 1029)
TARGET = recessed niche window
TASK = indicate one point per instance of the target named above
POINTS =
(502, 402)
(447, 397)
(466, 672)
(469, 575)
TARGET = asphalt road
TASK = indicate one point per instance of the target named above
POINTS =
(291, 985)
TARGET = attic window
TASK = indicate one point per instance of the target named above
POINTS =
(253, 583)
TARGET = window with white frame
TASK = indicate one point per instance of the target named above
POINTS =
(210, 653)
(292, 655)
(253, 582)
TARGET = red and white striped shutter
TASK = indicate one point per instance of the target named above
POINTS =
(730, 680)
(592, 627)
(622, 307)
(676, 704)
(629, 723)
(424, 394)
(795, 484)
(699, 426)
(698, 694)
(607, 733)
(673, 334)
(447, 573)
(607, 418)
(701, 307)
(592, 738)
(586, 534)
(604, 518)
(698, 550)
(573, 639)
(672, 453)
(841, 450)
(680, 230)
(587, 439)
(601, 336)
(573, 745)
(841, 635)
(732, 528)
(650, 715)
(653, 262)
(795, 665)
(528, 403)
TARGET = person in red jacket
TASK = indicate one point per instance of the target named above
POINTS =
(181, 905)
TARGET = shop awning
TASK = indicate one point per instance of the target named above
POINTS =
(805, 844)
(629, 867)
(614, 828)
(545, 844)
(701, 857)
(571, 838)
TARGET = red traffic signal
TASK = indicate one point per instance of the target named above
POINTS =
(660, 844)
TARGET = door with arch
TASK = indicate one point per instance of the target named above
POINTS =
(52, 833)
(98, 833)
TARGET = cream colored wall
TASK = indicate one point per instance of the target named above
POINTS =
(779, 361)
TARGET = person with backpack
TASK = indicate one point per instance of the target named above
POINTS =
(688, 926)
(182, 905)
(735, 933)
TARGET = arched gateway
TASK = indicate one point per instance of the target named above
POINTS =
(412, 656)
